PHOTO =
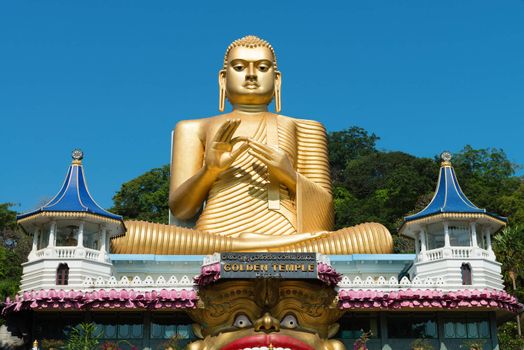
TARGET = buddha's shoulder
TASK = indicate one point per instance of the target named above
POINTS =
(198, 124)
(304, 123)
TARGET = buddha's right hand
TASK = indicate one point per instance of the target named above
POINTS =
(220, 155)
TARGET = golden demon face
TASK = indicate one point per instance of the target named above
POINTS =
(267, 314)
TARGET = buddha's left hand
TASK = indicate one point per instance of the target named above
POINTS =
(277, 162)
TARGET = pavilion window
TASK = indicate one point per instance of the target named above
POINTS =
(66, 234)
(465, 271)
(352, 325)
(62, 275)
(459, 235)
(412, 326)
(466, 328)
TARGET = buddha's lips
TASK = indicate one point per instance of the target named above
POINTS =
(259, 340)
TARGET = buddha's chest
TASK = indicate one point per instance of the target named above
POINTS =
(273, 130)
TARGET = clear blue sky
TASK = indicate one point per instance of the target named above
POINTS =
(113, 78)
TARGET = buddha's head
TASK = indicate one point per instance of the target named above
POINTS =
(266, 314)
(249, 75)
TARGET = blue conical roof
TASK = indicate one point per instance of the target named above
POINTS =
(74, 195)
(448, 197)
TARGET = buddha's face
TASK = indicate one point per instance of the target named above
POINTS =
(250, 76)
(297, 318)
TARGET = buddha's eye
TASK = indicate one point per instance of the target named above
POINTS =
(242, 321)
(289, 321)
(238, 67)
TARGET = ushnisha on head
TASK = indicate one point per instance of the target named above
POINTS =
(249, 75)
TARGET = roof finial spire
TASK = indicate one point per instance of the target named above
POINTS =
(446, 158)
(77, 156)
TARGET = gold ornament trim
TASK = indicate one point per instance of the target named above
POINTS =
(456, 216)
(67, 215)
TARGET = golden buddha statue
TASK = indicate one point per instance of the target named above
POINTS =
(251, 180)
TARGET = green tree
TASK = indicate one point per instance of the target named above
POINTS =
(488, 178)
(84, 337)
(347, 145)
(508, 336)
(508, 246)
(13, 251)
(512, 204)
(145, 197)
(382, 187)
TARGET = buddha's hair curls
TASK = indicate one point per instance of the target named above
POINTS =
(250, 41)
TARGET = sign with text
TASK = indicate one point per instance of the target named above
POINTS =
(268, 265)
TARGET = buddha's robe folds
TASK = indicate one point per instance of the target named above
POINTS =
(245, 199)
(242, 198)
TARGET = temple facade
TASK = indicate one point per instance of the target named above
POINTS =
(450, 292)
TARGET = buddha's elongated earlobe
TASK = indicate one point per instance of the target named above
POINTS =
(278, 96)
(222, 90)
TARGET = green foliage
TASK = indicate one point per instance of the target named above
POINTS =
(512, 204)
(382, 187)
(7, 217)
(11, 255)
(48, 344)
(487, 178)
(475, 344)
(347, 145)
(83, 337)
(508, 246)
(508, 337)
(145, 198)
(421, 344)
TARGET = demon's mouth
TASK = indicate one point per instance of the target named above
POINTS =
(267, 342)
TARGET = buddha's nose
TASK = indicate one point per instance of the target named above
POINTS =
(267, 323)
(251, 72)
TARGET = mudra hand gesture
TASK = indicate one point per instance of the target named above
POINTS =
(277, 162)
(220, 155)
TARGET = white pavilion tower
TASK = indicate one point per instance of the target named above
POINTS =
(71, 235)
(453, 237)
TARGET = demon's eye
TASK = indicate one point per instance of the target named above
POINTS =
(241, 321)
(289, 321)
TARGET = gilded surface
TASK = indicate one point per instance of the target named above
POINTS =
(266, 313)
(251, 180)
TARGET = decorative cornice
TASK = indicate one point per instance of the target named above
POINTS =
(410, 299)
(165, 299)
(456, 216)
(68, 215)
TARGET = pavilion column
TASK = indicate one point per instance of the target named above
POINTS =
(447, 243)
(36, 237)
(417, 243)
(447, 252)
(422, 253)
(34, 248)
(487, 234)
(473, 231)
(423, 245)
(80, 235)
(103, 242)
(52, 235)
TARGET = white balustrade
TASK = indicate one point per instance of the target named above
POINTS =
(64, 252)
(68, 253)
(434, 254)
(92, 254)
(461, 252)
(455, 253)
